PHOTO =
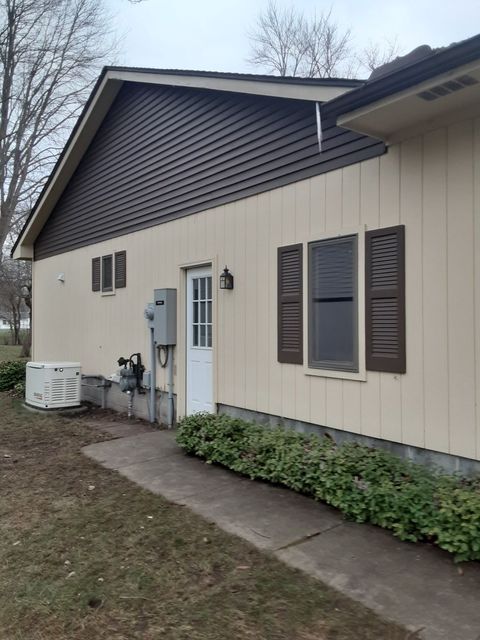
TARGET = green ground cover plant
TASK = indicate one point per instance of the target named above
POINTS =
(366, 484)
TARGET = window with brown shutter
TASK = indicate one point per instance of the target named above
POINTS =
(385, 299)
(95, 274)
(290, 304)
(120, 269)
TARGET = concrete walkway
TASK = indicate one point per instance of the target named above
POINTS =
(417, 586)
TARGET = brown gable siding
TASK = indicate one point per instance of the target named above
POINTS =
(165, 152)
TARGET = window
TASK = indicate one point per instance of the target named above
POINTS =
(107, 273)
(202, 311)
(333, 304)
(336, 317)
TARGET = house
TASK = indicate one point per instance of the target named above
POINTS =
(347, 212)
(7, 322)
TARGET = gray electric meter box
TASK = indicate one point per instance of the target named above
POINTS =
(165, 316)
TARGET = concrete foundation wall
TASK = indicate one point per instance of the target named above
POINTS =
(433, 459)
(118, 401)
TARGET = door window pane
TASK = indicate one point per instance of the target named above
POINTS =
(333, 304)
(202, 312)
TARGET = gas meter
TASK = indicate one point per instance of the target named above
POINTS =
(131, 373)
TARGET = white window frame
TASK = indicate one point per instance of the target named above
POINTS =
(361, 374)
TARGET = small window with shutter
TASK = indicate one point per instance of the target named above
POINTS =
(385, 299)
(333, 304)
(290, 304)
(109, 272)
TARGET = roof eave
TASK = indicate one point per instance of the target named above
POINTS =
(413, 74)
(407, 113)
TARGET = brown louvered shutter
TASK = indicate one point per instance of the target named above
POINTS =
(120, 269)
(385, 299)
(95, 274)
(290, 303)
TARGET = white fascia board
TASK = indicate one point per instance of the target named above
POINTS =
(282, 89)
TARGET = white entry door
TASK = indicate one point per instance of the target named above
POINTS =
(199, 340)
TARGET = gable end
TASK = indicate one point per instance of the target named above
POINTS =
(166, 152)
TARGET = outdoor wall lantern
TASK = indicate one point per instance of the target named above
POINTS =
(226, 279)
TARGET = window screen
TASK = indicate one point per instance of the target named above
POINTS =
(333, 304)
(107, 273)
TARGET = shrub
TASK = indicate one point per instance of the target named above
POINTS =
(366, 484)
(12, 372)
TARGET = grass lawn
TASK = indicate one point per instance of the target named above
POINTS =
(9, 352)
(87, 555)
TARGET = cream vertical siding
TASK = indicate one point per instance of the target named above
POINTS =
(430, 183)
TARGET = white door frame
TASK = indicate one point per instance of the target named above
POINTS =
(199, 340)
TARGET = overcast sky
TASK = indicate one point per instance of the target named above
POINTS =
(211, 34)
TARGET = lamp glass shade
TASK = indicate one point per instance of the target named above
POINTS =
(226, 279)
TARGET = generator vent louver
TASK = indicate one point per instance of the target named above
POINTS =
(444, 89)
(61, 391)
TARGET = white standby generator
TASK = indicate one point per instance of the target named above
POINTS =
(53, 385)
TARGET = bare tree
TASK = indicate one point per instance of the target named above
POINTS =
(50, 53)
(286, 42)
(376, 54)
(15, 294)
(327, 47)
(276, 41)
